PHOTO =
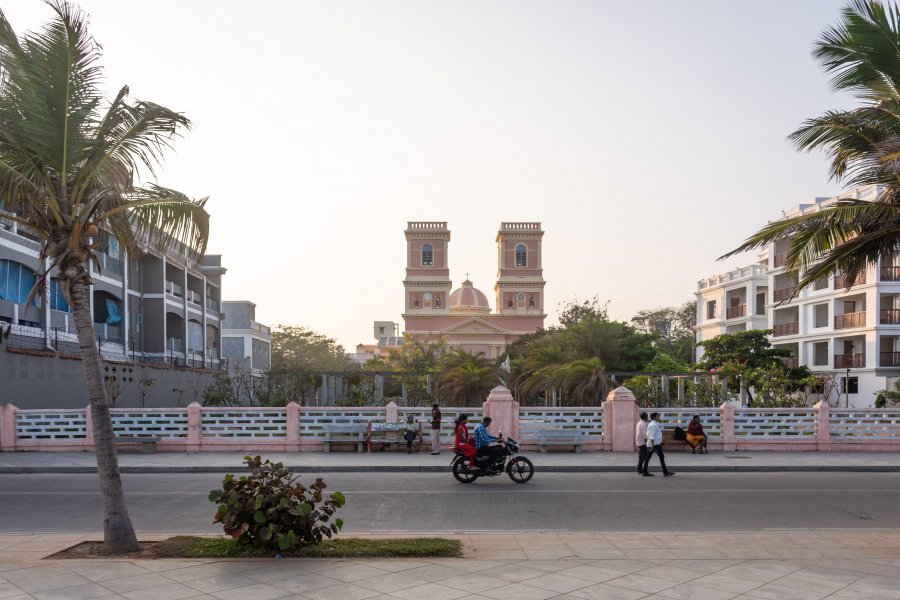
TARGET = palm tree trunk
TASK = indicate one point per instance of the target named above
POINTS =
(118, 532)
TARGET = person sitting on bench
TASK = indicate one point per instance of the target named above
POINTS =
(410, 434)
(695, 436)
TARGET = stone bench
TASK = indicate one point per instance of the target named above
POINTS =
(559, 437)
(391, 433)
(355, 433)
(148, 444)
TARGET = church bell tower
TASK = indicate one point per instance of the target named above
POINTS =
(520, 279)
(427, 283)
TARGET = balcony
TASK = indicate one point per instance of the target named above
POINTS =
(174, 289)
(194, 297)
(842, 281)
(890, 273)
(790, 362)
(845, 321)
(849, 361)
(259, 327)
(736, 311)
(779, 259)
(787, 329)
(890, 316)
(889, 359)
(784, 293)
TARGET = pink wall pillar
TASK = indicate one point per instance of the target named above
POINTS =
(503, 410)
(88, 428)
(8, 427)
(728, 442)
(823, 426)
(195, 427)
(391, 413)
(293, 427)
(618, 426)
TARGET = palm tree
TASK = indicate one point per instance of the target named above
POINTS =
(466, 377)
(586, 380)
(861, 53)
(543, 370)
(68, 174)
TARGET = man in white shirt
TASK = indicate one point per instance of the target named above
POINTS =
(640, 440)
(654, 444)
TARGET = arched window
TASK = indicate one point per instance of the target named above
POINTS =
(437, 301)
(16, 281)
(521, 256)
(57, 300)
(427, 255)
(531, 302)
(521, 297)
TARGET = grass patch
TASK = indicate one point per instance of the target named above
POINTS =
(188, 546)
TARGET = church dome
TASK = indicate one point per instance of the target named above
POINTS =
(469, 299)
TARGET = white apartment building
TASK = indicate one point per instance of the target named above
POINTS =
(854, 335)
(246, 343)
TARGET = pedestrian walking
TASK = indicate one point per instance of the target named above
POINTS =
(654, 444)
(640, 440)
(435, 429)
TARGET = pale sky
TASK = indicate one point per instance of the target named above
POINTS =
(648, 138)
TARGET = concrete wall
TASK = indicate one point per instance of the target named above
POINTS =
(50, 382)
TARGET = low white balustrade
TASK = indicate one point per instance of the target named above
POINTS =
(876, 424)
(710, 418)
(244, 423)
(584, 420)
(51, 425)
(775, 422)
(150, 423)
(313, 420)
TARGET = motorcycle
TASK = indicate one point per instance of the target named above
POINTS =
(519, 468)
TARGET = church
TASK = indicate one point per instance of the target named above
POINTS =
(463, 317)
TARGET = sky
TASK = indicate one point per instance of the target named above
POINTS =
(648, 138)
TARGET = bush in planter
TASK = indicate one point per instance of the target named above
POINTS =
(271, 510)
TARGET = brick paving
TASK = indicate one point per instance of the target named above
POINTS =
(776, 565)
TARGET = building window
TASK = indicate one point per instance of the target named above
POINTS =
(509, 302)
(416, 301)
(427, 255)
(57, 300)
(711, 309)
(521, 256)
(852, 387)
(820, 354)
(531, 302)
(521, 297)
(437, 301)
(821, 315)
(820, 284)
(16, 281)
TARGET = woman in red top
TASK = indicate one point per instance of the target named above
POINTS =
(696, 437)
(461, 440)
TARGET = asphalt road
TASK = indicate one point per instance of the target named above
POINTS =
(435, 502)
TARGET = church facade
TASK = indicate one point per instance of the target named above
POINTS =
(463, 317)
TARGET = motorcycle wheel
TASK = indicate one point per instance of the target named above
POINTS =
(520, 469)
(461, 471)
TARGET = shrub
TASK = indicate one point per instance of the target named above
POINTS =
(269, 509)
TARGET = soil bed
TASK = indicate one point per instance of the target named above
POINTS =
(186, 546)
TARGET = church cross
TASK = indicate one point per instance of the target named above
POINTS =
(467, 274)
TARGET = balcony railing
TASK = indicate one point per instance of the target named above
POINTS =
(841, 281)
(849, 361)
(889, 359)
(845, 321)
(790, 362)
(890, 273)
(787, 329)
(174, 289)
(890, 316)
(736, 311)
(784, 293)
(779, 259)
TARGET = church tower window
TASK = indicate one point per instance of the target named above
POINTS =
(427, 255)
(521, 256)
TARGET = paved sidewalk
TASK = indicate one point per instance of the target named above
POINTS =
(789, 565)
(561, 462)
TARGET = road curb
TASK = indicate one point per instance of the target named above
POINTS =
(61, 470)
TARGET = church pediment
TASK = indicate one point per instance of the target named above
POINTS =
(476, 326)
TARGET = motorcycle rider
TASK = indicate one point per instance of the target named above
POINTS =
(486, 448)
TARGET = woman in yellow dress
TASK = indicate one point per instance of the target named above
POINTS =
(695, 435)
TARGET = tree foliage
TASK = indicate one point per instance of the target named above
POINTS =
(673, 327)
(466, 378)
(298, 349)
(863, 143)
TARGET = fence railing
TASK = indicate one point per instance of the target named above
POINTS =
(610, 426)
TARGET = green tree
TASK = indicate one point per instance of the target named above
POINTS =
(298, 349)
(861, 54)
(673, 327)
(750, 348)
(466, 378)
(68, 174)
(666, 363)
